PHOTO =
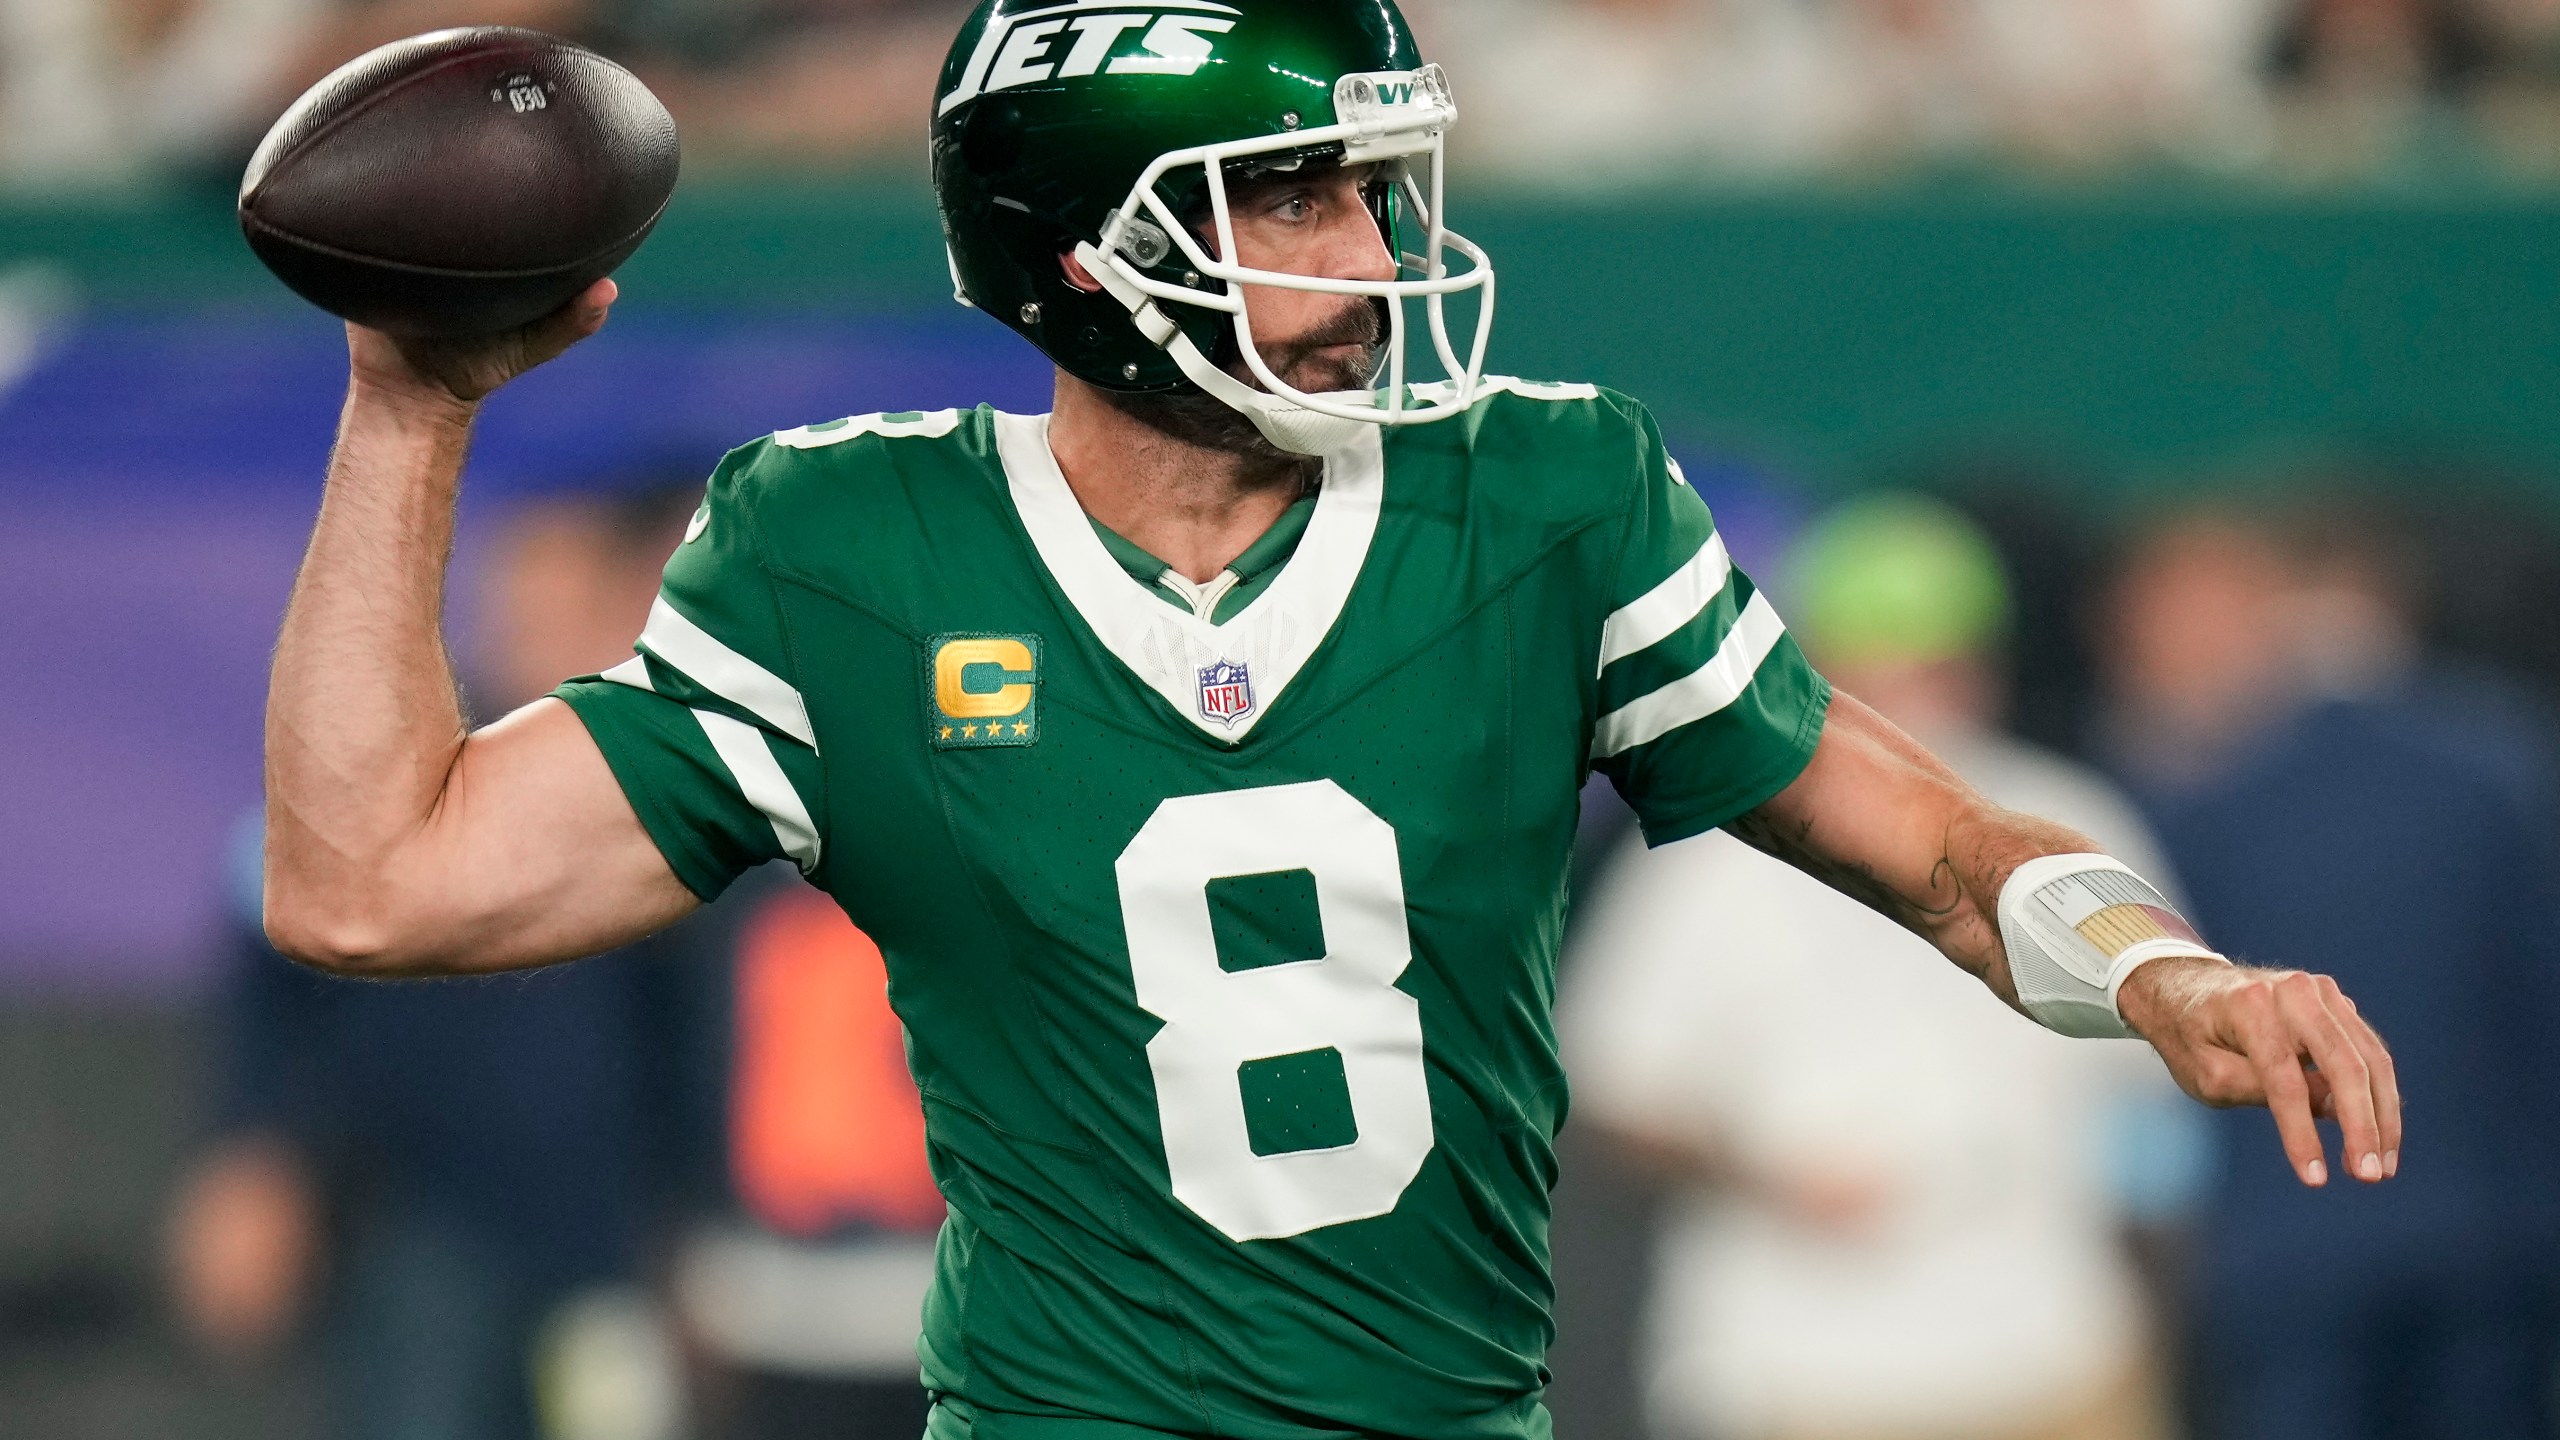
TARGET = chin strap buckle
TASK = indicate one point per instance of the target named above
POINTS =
(1153, 323)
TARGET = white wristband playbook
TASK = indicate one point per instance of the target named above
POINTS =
(2075, 926)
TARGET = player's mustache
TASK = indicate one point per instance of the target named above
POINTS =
(1362, 323)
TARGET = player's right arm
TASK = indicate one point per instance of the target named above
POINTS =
(399, 842)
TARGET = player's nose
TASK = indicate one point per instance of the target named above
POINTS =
(1357, 247)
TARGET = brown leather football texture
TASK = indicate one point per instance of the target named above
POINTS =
(459, 183)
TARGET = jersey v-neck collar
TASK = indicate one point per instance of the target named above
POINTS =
(1239, 585)
(1222, 677)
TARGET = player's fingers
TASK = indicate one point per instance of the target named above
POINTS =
(2277, 1057)
(2303, 1003)
(2223, 1078)
(2324, 1096)
(584, 315)
(2377, 1059)
(547, 338)
(594, 304)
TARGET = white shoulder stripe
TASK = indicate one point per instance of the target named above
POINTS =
(1668, 606)
(726, 673)
(749, 756)
(1441, 392)
(633, 672)
(1702, 693)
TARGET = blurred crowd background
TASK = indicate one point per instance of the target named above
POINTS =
(2146, 402)
(2296, 91)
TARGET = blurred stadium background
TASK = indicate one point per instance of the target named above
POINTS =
(2233, 326)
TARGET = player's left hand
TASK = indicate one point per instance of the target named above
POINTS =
(2286, 1040)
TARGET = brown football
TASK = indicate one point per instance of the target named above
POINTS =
(459, 183)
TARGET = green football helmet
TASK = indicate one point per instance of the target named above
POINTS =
(1108, 129)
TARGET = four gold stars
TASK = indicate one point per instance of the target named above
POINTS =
(995, 730)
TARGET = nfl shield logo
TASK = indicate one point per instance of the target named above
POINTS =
(1226, 693)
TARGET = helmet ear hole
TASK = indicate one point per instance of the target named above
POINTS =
(1076, 274)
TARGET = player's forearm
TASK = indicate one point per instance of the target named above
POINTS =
(363, 721)
(1879, 818)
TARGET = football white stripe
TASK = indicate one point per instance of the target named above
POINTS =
(726, 673)
(1702, 693)
(749, 756)
(1669, 606)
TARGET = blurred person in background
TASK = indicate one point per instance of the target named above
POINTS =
(2516, 101)
(2325, 787)
(2362, 85)
(1781, 87)
(448, 1187)
(1898, 1218)
(2196, 648)
(803, 1289)
(2381, 86)
(471, 1180)
(827, 82)
(59, 61)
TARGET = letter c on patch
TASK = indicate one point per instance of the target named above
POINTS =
(953, 668)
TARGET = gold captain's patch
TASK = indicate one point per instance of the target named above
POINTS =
(982, 691)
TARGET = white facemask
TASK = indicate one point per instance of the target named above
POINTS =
(1398, 120)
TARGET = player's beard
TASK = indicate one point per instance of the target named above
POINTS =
(1361, 323)
(1197, 418)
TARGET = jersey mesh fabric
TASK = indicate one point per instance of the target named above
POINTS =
(1540, 594)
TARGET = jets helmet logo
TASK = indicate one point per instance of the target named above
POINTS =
(1092, 37)
(1226, 693)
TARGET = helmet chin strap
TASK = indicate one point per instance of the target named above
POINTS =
(1289, 425)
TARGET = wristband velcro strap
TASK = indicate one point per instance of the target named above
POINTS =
(2074, 927)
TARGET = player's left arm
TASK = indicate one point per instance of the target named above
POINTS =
(1879, 818)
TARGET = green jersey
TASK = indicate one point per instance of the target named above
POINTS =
(1222, 919)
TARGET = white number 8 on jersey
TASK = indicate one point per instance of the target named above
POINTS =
(1217, 1021)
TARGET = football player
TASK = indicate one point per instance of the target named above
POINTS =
(1203, 755)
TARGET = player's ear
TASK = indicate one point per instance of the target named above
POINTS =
(1077, 275)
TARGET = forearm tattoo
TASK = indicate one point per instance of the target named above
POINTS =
(1793, 842)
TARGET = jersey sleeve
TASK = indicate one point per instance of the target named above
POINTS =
(705, 727)
(1707, 706)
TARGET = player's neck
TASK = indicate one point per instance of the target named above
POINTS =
(1193, 507)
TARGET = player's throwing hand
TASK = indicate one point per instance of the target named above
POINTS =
(465, 372)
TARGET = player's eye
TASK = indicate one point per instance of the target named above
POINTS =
(1296, 208)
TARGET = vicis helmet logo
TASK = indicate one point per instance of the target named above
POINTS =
(1092, 37)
